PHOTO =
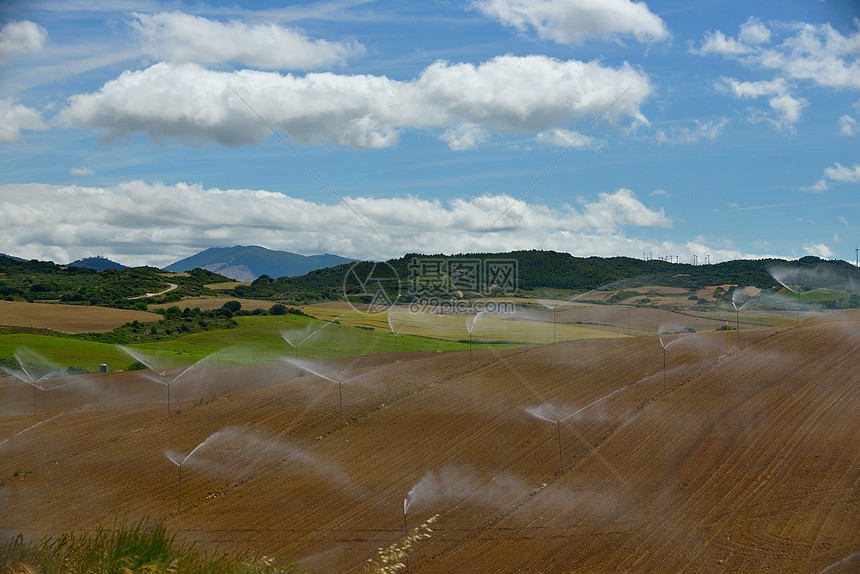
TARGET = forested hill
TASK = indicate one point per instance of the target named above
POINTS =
(34, 280)
(537, 270)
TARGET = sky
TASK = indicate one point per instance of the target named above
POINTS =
(700, 131)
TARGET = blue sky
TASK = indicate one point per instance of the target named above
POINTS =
(717, 130)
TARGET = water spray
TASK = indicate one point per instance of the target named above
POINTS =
(26, 376)
(30, 428)
(338, 380)
(288, 335)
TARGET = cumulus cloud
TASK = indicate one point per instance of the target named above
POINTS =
(508, 95)
(83, 170)
(16, 117)
(815, 52)
(786, 108)
(576, 21)
(129, 221)
(797, 52)
(685, 135)
(847, 126)
(18, 38)
(844, 174)
(837, 172)
(818, 250)
(180, 37)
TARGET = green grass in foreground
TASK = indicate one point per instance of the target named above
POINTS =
(256, 339)
(137, 548)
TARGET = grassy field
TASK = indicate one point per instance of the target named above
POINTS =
(514, 329)
(255, 340)
(67, 352)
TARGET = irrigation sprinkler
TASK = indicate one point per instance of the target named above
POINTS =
(173, 380)
(541, 413)
(664, 363)
(560, 459)
(25, 376)
(172, 457)
(289, 335)
(179, 465)
(396, 332)
(470, 324)
(737, 322)
(405, 528)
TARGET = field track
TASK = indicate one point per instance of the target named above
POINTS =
(747, 461)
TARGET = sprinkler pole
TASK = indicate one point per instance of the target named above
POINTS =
(738, 325)
(470, 350)
(560, 459)
(664, 369)
(729, 336)
(405, 534)
(179, 499)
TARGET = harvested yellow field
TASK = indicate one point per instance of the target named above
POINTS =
(68, 318)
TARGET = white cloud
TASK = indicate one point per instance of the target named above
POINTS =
(843, 174)
(660, 193)
(799, 52)
(720, 44)
(847, 126)
(129, 222)
(754, 32)
(80, 171)
(684, 135)
(753, 89)
(576, 21)
(816, 52)
(836, 173)
(786, 108)
(819, 186)
(464, 137)
(818, 250)
(567, 138)
(180, 37)
(18, 38)
(508, 95)
(16, 117)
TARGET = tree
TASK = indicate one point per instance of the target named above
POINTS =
(232, 306)
(278, 309)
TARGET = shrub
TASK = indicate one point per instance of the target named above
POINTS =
(232, 306)
(278, 309)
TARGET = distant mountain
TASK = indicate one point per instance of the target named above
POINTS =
(246, 263)
(98, 263)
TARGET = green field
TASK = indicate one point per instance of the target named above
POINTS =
(256, 339)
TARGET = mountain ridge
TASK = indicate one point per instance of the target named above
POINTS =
(249, 262)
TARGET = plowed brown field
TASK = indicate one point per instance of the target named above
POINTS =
(747, 461)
